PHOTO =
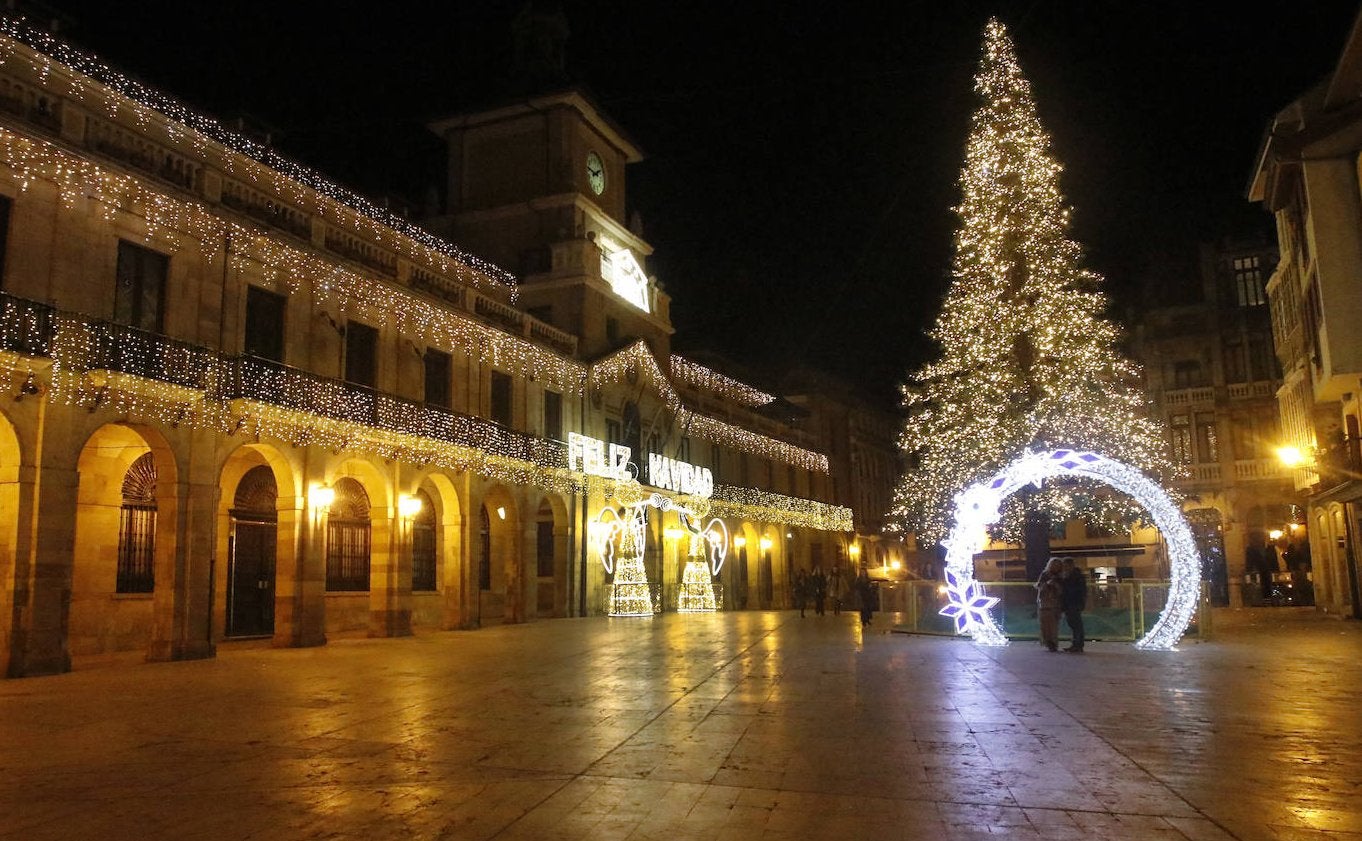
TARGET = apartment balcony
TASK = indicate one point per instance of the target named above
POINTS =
(1202, 474)
(1253, 469)
(1257, 390)
(1189, 397)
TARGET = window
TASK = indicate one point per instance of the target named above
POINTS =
(613, 432)
(1182, 439)
(715, 459)
(423, 546)
(1248, 282)
(264, 325)
(361, 346)
(1187, 374)
(501, 398)
(1236, 363)
(140, 287)
(437, 375)
(553, 414)
(137, 529)
(1208, 448)
(1262, 361)
(612, 331)
(347, 539)
(683, 451)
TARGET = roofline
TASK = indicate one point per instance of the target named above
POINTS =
(575, 98)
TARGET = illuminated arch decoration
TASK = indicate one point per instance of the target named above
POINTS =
(976, 508)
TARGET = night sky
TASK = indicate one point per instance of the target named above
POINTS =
(801, 158)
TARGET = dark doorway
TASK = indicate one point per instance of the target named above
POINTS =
(251, 544)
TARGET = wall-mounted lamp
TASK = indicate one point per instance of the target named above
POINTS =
(1275, 534)
(673, 533)
(739, 541)
(320, 496)
(765, 543)
(501, 512)
(408, 506)
(790, 535)
(854, 550)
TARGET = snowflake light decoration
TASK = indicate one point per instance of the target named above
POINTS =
(976, 507)
(968, 604)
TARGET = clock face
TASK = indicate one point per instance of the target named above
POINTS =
(595, 173)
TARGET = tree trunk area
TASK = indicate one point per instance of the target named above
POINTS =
(1036, 542)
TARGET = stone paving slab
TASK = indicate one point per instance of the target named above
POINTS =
(679, 727)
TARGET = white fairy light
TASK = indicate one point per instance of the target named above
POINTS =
(977, 507)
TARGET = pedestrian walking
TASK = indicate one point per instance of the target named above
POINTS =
(820, 589)
(865, 590)
(1074, 599)
(801, 589)
(1049, 597)
(835, 588)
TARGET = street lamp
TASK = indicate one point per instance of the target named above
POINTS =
(1290, 456)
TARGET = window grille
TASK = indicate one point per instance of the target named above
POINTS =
(348, 539)
(423, 546)
(137, 529)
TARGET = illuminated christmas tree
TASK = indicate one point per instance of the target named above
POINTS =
(697, 584)
(1027, 360)
(631, 595)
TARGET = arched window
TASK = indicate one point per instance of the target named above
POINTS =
(484, 549)
(423, 546)
(544, 540)
(137, 528)
(347, 539)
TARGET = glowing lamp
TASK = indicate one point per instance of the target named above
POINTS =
(408, 506)
(321, 496)
(1290, 456)
(1275, 534)
(501, 512)
(896, 564)
(673, 533)
(854, 550)
(740, 541)
(790, 535)
(765, 543)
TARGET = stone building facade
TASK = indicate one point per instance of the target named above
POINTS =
(244, 402)
(1213, 377)
(1307, 176)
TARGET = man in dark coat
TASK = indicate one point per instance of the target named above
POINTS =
(1073, 601)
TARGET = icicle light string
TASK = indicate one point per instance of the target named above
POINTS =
(301, 185)
(97, 366)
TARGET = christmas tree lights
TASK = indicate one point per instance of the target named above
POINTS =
(1027, 361)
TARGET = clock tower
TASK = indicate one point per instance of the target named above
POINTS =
(537, 185)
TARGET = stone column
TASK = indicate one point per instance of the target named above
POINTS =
(390, 573)
(43, 554)
(300, 566)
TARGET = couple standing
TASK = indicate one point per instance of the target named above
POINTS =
(1061, 587)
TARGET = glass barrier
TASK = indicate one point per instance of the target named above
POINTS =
(1117, 611)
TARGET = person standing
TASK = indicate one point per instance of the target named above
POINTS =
(1075, 598)
(801, 589)
(820, 590)
(865, 589)
(1049, 597)
(835, 588)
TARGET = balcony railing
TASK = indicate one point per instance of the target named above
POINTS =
(1249, 391)
(86, 345)
(1189, 396)
(1258, 468)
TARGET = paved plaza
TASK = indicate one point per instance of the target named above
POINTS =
(725, 726)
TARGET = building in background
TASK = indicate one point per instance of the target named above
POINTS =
(244, 402)
(1213, 378)
(1306, 175)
